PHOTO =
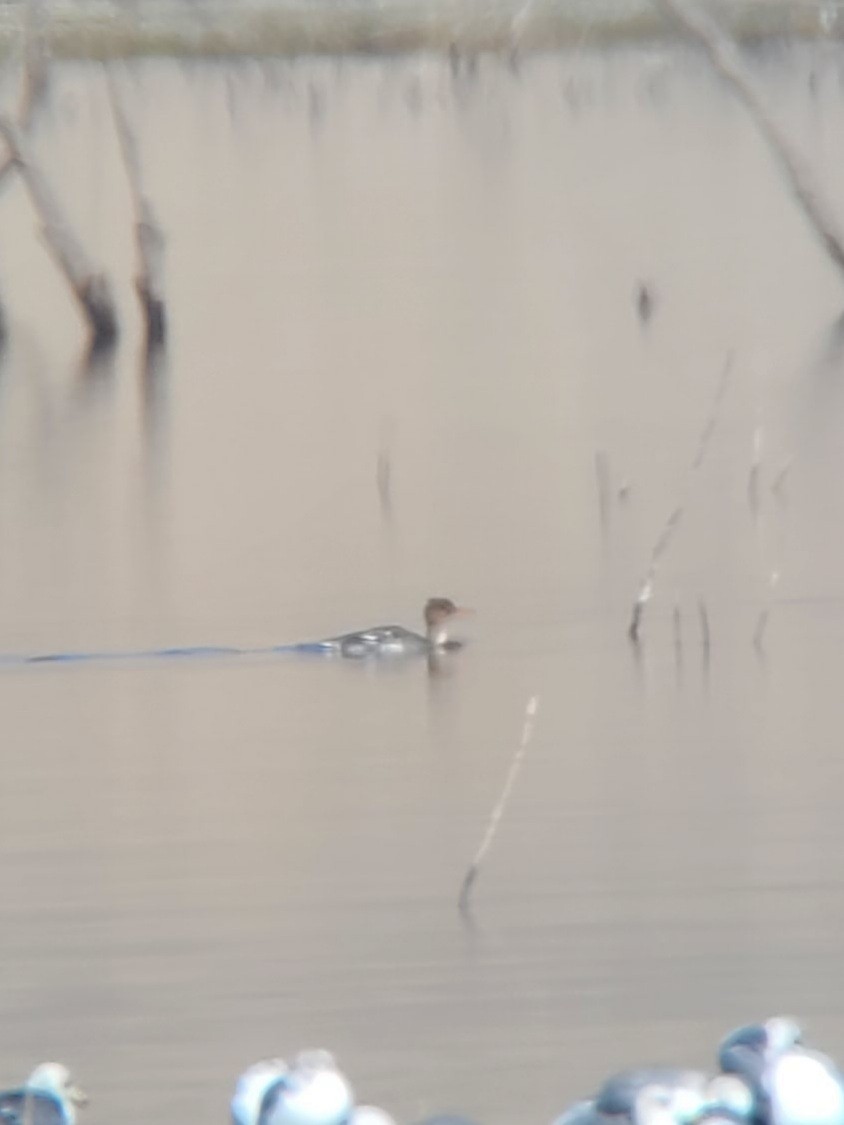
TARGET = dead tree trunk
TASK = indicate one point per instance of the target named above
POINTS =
(90, 286)
(726, 59)
(149, 280)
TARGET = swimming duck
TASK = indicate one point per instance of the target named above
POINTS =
(395, 640)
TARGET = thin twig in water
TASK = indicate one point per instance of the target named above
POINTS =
(384, 469)
(762, 621)
(602, 475)
(778, 483)
(703, 613)
(753, 475)
(498, 811)
(646, 589)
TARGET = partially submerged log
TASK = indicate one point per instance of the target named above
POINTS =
(149, 280)
(90, 286)
(726, 58)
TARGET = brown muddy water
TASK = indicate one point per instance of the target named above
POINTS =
(202, 863)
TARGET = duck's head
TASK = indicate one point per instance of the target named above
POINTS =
(782, 1034)
(748, 1050)
(439, 613)
(55, 1078)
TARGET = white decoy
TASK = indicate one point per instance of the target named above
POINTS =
(48, 1097)
(792, 1085)
(311, 1091)
(251, 1087)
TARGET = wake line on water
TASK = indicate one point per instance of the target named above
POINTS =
(188, 652)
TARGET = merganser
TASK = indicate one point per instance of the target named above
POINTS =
(791, 1084)
(48, 1097)
(395, 640)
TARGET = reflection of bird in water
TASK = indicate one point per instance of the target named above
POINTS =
(311, 1091)
(49, 1097)
(395, 640)
(791, 1085)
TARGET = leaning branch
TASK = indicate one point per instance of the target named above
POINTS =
(726, 59)
(497, 813)
(149, 280)
(89, 285)
(646, 588)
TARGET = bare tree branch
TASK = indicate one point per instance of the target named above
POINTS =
(726, 59)
(90, 286)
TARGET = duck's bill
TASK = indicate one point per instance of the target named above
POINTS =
(77, 1096)
(463, 611)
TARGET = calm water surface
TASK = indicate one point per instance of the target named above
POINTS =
(202, 863)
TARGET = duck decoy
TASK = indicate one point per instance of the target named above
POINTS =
(791, 1084)
(310, 1091)
(48, 1097)
(648, 1095)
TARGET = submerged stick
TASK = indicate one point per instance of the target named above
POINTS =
(646, 588)
(149, 280)
(703, 614)
(726, 59)
(384, 469)
(498, 810)
(765, 613)
(753, 475)
(89, 285)
(778, 483)
(602, 478)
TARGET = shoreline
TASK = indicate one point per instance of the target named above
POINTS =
(196, 29)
